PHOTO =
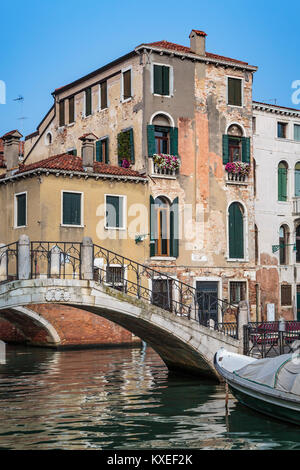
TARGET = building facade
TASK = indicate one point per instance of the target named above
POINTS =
(276, 140)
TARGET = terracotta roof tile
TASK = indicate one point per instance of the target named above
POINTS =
(73, 163)
(177, 47)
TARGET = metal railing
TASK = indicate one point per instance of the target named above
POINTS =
(268, 339)
(55, 260)
(9, 262)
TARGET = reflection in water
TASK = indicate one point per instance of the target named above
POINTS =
(121, 399)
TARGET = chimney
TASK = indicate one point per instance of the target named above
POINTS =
(88, 151)
(11, 143)
(197, 41)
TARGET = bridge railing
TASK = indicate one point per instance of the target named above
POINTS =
(55, 259)
(9, 262)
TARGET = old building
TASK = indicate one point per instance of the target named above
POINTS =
(178, 117)
(277, 211)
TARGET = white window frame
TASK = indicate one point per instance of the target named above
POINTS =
(16, 210)
(287, 137)
(242, 94)
(295, 124)
(81, 208)
(219, 281)
(171, 78)
(115, 265)
(124, 205)
(122, 84)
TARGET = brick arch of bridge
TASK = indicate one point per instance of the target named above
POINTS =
(183, 344)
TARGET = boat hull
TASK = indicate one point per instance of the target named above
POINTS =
(270, 402)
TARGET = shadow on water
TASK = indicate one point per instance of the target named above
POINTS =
(121, 399)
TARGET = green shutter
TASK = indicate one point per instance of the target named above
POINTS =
(174, 140)
(21, 210)
(235, 91)
(98, 151)
(71, 209)
(225, 149)
(158, 80)
(246, 149)
(152, 226)
(174, 228)
(131, 146)
(236, 231)
(282, 182)
(165, 80)
(107, 150)
(151, 140)
(88, 101)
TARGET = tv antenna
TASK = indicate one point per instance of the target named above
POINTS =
(20, 99)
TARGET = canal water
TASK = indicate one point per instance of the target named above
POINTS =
(121, 399)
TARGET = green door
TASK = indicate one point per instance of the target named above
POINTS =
(236, 231)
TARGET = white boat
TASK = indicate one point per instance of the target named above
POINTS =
(270, 386)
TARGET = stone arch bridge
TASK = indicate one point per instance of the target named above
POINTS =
(92, 278)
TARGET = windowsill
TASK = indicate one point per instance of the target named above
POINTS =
(71, 124)
(236, 106)
(283, 202)
(126, 100)
(74, 226)
(163, 258)
(20, 226)
(164, 96)
(114, 228)
(237, 260)
(102, 109)
(237, 183)
(169, 177)
(89, 116)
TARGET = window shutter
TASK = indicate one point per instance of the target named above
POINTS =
(174, 140)
(165, 80)
(131, 145)
(246, 149)
(103, 90)
(107, 150)
(225, 149)
(236, 231)
(114, 216)
(71, 209)
(297, 182)
(127, 84)
(62, 113)
(98, 151)
(158, 79)
(174, 229)
(88, 101)
(21, 208)
(71, 110)
(282, 183)
(151, 140)
(152, 226)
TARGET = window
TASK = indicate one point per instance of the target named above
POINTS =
(237, 291)
(254, 176)
(49, 138)
(21, 210)
(61, 113)
(282, 181)
(102, 147)
(235, 91)
(126, 87)
(283, 244)
(235, 146)
(125, 147)
(115, 211)
(297, 179)
(115, 276)
(71, 109)
(72, 152)
(236, 231)
(88, 101)
(162, 139)
(71, 208)
(256, 244)
(161, 80)
(162, 294)
(298, 244)
(281, 130)
(254, 125)
(103, 95)
(297, 132)
(286, 294)
(164, 227)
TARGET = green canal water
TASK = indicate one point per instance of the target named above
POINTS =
(121, 399)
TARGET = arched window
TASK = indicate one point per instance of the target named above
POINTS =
(282, 181)
(235, 134)
(283, 244)
(162, 136)
(164, 227)
(236, 230)
(297, 179)
(49, 138)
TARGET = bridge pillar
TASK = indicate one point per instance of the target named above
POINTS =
(243, 318)
(3, 263)
(87, 259)
(24, 261)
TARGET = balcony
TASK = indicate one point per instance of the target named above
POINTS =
(164, 166)
(237, 173)
(236, 178)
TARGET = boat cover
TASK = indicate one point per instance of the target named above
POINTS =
(281, 372)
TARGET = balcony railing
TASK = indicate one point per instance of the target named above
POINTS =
(236, 178)
(159, 171)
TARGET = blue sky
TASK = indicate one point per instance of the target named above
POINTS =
(48, 43)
